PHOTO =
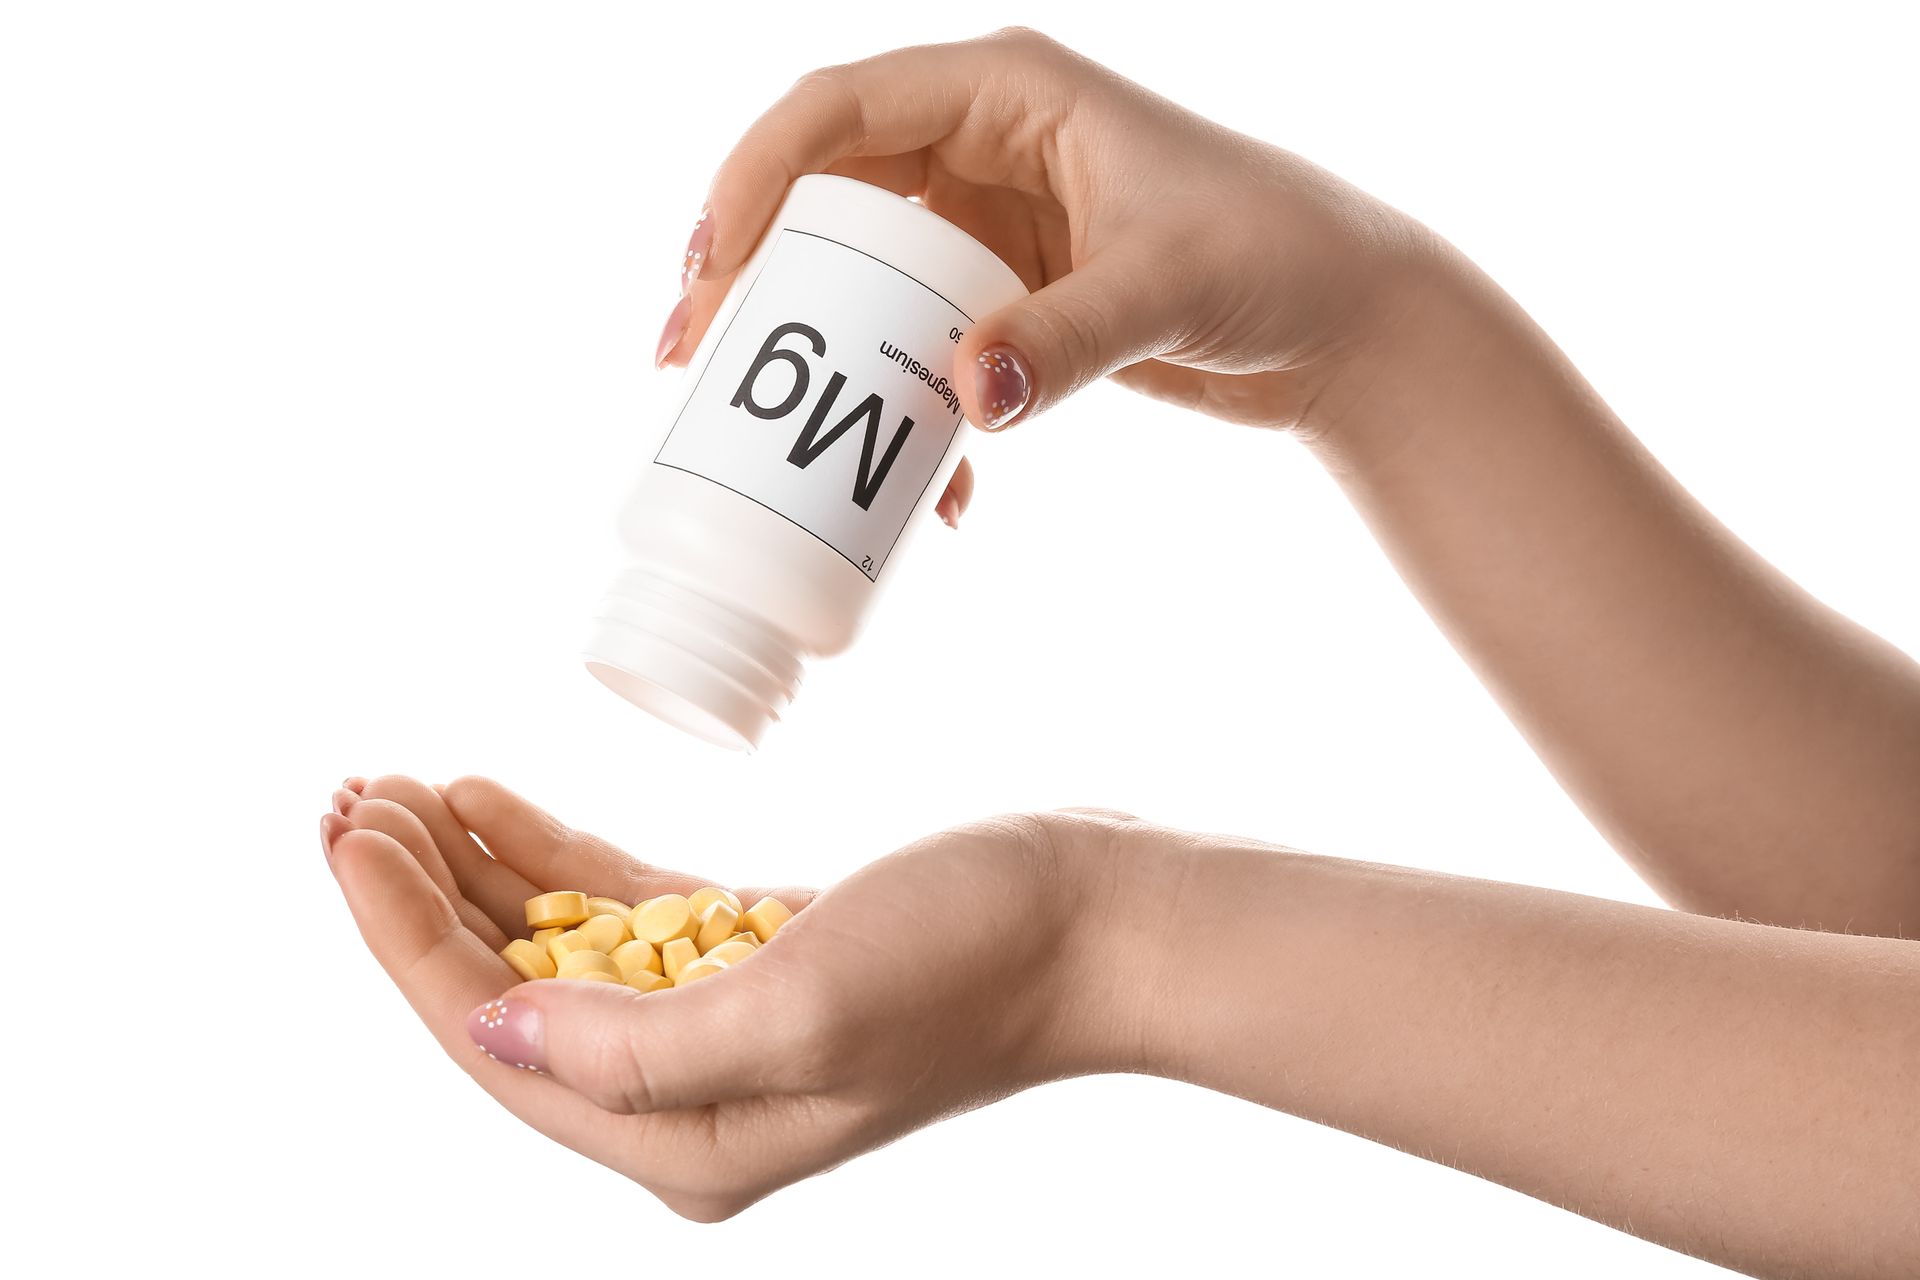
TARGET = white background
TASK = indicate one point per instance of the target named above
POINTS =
(325, 338)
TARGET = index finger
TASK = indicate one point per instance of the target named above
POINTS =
(440, 966)
(888, 105)
(444, 972)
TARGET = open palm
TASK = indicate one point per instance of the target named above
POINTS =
(916, 988)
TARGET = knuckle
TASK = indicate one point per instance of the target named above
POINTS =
(1076, 328)
(470, 784)
(1028, 40)
(1083, 834)
(613, 1073)
(1098, 812)
(818, 80)
(392, 818)
(1032, 840)
(388, 786)
(712, 1191)
(467, 792)
(373, 808)
(827, 75)
(1029, 831)
(704, 1207)
(833, 89)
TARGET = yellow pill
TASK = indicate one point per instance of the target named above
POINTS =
(715, 927)
(704, 898)
(644, 981)
(677, 955)
(563, 909)
(566, 943)
(529, 960)
(731, 952)
(635, 957)
(660, 920)
(593, 975)
(766, 917)
(604, 932)
(541, 937)
(608, 907)
(701, 968)
(582, 963)
(747, 938)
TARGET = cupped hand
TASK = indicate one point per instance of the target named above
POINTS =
(948, 974)
(1195, 263)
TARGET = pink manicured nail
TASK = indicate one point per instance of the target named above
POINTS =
(355, 785)
(1001, 384)
(675, 330)
(510, 1032)
(332, 827)
(699, 244)
(948, 509)
(344, 800)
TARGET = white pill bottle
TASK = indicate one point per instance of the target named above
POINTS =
(818, 427)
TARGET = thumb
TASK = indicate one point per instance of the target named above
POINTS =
(631, 1053)
(1122, 307)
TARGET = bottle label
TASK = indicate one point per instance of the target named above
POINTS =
(829, 396)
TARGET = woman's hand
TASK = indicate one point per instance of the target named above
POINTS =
(1750, 751)
(1609, 1058)
(954, 972)
(1195, 263)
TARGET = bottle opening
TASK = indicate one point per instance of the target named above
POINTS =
(718, 673)
(669, 706)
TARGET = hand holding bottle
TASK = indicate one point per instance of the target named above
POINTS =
(1222, 273)
(1198, 264)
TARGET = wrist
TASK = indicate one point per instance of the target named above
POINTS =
(1123, 945)
(1432, 328)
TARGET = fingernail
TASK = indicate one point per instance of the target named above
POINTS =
(948, 509)
(698, 246)
(343, 801)
(510, 1032)
(1000, 383)
(332, 827)
(355, 785)
(675, 330)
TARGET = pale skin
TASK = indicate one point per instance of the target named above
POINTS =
(1738, 1078)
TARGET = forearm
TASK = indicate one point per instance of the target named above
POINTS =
(1749, 750)
(1741, 1091)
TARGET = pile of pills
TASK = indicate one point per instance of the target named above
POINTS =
(667, 941)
